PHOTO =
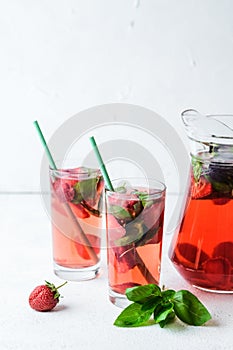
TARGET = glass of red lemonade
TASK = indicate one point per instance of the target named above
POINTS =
(134, 219)
(76, 214)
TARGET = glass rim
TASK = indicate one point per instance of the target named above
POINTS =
(72, 173)
(155, 191)
(211, 158)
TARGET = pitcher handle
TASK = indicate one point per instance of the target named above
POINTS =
(189, 115)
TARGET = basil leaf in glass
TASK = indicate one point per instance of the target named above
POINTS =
(119, 212)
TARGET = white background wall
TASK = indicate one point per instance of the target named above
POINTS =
(59, 57)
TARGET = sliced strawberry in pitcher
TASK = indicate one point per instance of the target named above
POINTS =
(189, 253)
(224, 250)
(94, 243)
(201, 189)
(221, 200)
(218, 270)
(79, 211)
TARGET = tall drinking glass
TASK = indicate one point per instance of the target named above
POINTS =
(76, 200)
(134, 219)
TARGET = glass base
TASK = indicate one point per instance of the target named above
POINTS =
(118, 299)
(217, 291)
(72, 274)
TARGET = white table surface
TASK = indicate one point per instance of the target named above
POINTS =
(84, 317)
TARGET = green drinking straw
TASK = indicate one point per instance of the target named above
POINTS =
(101, 164)
(142, 267)
(50, 158)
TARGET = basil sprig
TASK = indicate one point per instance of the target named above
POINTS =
(150, 300)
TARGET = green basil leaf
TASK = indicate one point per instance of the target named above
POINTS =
(119, 212)
(162, 312)
(134, 232)
(133, 315)
(170, 317)
(148, 235)
(140, 294)
(189, 309)
(221, 186)
(121, 189)
(168, 294)
(151, 303)
(144, 196)
(197, 168)
(137, 208)
(77, 197)
(85, 189)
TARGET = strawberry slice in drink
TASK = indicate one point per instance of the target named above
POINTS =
(94, 243)
(114, 229)
(125, 258)
(64, 189)
(121, 288)
(201, 189)
(126, 203)
(99, 189)
(79, 211)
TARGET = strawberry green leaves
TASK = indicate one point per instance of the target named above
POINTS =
(149, 300)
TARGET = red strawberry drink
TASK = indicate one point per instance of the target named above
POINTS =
(76, 199)
(202, 251)
(134, 217)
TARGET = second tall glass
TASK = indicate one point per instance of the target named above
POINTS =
(134, 218)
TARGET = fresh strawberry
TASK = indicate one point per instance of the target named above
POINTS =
(94, 243)
(79, 211)
(200, 189)
(44, 297)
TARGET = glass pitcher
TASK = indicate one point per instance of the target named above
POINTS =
(202, 247)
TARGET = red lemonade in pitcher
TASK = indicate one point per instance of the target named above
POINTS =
(202, 250)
